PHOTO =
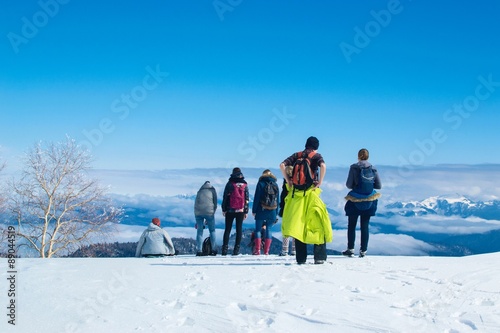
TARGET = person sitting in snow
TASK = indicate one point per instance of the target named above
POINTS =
(155, 242)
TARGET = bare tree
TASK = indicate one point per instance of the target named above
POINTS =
(56, 205)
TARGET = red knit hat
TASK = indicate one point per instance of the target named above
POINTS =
(156, 221)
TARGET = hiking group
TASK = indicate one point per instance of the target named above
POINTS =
(305, 219)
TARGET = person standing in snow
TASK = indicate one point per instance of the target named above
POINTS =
(305, 217)
(155, 242)
(265, 212)
(286, 239)
(234, 207)
(361, 202)
(205, 206)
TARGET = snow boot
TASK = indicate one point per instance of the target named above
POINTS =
(236, 250)
(348, 253)
(224, 250)
(256, 248)
(267, 245)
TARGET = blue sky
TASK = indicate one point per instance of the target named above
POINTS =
(185, 84)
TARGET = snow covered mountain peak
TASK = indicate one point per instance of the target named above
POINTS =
(457, 205)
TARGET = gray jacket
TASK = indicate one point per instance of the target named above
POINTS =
(154, 241)
(206, 200)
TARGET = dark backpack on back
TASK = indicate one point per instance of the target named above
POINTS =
(269, 198)
(206, 248)
(366, 180)
(237, 197)
(302, 175)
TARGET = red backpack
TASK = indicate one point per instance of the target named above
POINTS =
(237, 197)
(302, 175)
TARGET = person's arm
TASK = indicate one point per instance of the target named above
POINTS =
(214, 197)
(279, 201)
(377, 184)
(256, 199)
(322, 173)
(225, 202)
(350, 183)
(285, 176)
(168, 242)
(139, 245)
(247, 200)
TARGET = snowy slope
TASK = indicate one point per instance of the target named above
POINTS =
(257, 294)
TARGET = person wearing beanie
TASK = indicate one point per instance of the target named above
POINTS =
(312, 143)
(361, 202)
(305, 217)
(265, 210)
(234, 207)
(155, 242)
(205, 206)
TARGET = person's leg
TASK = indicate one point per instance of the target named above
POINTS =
(227, 232)
(199, 233)
(258, 235)
(319, 253)
(211, 229)
(365, 235)
(239, 232)
(293, 246)
(284, 248)
(351, 231)
(269, 230)
(269, 238)
(258, 228)
(301, 251)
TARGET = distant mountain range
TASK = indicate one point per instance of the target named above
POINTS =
(445, 206)
(389, 220)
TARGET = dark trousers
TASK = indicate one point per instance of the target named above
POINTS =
(351, 231)
(301, 251)
(229, 225)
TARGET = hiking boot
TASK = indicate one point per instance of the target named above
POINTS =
(199, 254)
(224, 250)
(213, 253)
(319, 262)
(236, 250)
(362, 254)
(348, 253)
(267, 245)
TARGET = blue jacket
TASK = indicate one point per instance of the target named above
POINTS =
(261, 213)
(154, 241)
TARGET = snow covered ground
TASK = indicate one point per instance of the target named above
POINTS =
(255, 294)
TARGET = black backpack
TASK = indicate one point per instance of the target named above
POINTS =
(269, 198)
(206, 248)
